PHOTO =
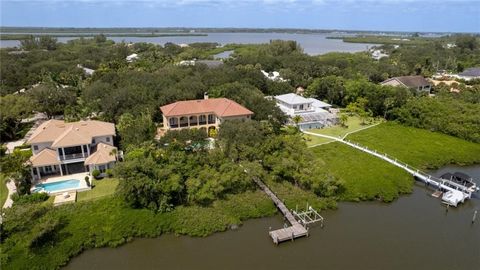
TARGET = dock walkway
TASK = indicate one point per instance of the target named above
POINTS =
(461, 192)
(289, 233)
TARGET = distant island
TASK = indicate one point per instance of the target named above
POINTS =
(192, 30)
(22, 36)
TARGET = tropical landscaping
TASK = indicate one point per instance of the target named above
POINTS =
(181, 184)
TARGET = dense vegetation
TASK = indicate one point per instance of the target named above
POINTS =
(186, 184)
(37, 236)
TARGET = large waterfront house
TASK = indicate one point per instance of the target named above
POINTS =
(61, 148)
(202, 113)
(313, 113)
(418, 83)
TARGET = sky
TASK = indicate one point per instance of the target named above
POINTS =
(380, 15)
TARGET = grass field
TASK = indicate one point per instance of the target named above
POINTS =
(3, 190)
(102, 188)
(365, 177)
(418, 147)
(353, 124)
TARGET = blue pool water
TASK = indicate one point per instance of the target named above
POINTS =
(56, 186)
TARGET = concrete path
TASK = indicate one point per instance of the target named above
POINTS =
(39, 118)
(11, 190)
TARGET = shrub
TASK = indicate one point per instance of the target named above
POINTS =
(109, 172)
(96, 174)
(32, 198)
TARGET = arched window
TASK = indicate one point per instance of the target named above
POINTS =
(173, 122)
(202, 120)
(183, 121)
(193, 121)
(211, 119)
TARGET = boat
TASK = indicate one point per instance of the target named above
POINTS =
(462, 179)
(453, 197)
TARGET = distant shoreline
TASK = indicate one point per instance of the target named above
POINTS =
(192, 30)
(91, 35)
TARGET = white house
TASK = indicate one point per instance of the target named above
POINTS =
(132, 57)
(378, 54)
(67, 148)
(313, 113)
(273, 76)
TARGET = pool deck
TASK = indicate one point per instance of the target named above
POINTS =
(78, 176)
(62, 199)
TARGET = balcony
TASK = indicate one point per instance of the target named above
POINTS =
(72, 156)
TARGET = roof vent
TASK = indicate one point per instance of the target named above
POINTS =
(77, 129)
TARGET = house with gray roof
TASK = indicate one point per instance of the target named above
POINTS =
(470, 74)
(418, 83)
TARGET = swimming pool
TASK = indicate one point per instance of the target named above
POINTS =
(57, 186)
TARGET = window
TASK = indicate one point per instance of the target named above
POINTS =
(108, 139)
(47, 169)
(301, 107)
(211, 119)
(35, 147)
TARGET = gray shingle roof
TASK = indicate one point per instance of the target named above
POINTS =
(411, 81)
(471, 72)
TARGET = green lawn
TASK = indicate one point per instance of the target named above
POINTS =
(367, 177)
(353, 124)
(102, 188)
(3, 190)
(418, 147)
(314, 140)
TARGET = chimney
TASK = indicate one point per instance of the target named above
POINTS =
(205, 95)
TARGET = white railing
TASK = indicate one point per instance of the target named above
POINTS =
(72, 156)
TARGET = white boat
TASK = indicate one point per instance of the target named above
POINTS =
(453, 197)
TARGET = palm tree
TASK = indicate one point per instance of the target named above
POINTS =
(114, 153)
(297, 119)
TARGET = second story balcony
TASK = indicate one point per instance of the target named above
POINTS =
(79, 152)
(73, 156)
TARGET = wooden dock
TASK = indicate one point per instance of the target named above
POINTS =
(296, 230)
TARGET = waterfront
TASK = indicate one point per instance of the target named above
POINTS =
(312, 44)
(414, 232)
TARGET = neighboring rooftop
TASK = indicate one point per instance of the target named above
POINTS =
(410, 81)
(222, 107)
(471, 72)
(292, 98)
(63, 134)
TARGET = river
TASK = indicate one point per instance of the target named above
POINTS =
(414, 232)
(312, 44)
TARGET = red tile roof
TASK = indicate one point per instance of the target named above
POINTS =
(222, 107)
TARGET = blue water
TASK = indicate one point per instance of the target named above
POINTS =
(56, 186)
